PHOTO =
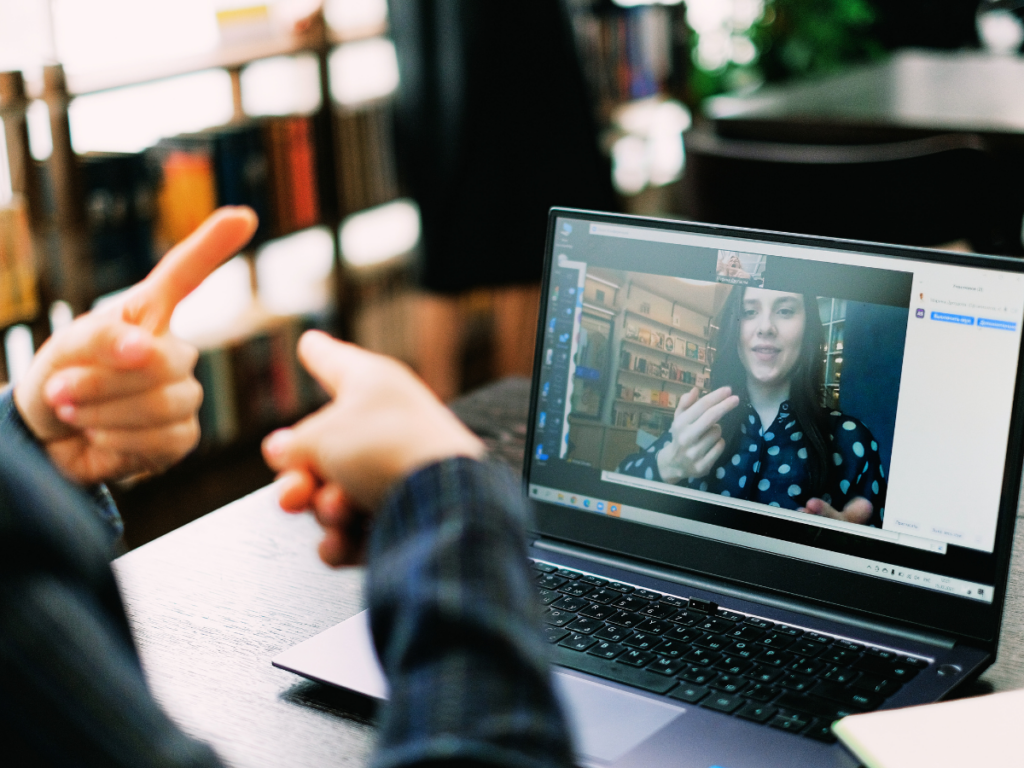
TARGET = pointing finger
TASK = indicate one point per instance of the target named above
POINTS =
(152, 302)
(331, 361)
(714, 414)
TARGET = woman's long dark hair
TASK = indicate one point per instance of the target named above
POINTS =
(807, 380)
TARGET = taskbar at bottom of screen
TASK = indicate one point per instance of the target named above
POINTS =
(983, 593)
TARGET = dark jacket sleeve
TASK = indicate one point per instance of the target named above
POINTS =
(456, 625)
(72, 690)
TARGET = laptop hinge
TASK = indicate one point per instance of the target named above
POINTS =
(733, 590)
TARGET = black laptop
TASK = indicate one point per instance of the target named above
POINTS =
(775, 480)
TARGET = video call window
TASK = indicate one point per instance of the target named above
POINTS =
(777, 398)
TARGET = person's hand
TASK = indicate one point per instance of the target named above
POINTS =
(857, 510)
(113, 394)
(697, 439)
(381, 426)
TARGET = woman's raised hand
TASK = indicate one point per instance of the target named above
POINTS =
(697, 439)
(857, 510)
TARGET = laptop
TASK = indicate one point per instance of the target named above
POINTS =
(775, 480)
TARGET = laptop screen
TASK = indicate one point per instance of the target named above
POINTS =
(846, 409)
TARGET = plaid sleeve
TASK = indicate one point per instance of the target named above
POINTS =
(105, 508)
(456, 625)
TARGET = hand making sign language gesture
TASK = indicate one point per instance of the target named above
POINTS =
(113, 394)
(697, 440)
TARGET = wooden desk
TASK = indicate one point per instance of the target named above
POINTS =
(214, 601)
(912, 93)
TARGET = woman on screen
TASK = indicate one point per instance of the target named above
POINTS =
(762, 434)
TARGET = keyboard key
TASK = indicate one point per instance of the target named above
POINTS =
(598, 612)
(730, 615)
(713, 642)
(603, 596)
(716, 626)
(702, 658)
(804, 647)
(565, 573)
(703, 606)
(675, 602)
(613, 633)
(733, 665)
(814, 637)
(849, 696)
(878, 653)
(773, 657)
(659, 611)
(593, 581)
(757, 623)
(838, 656)
(683, 634)
(875, 684)
(761, 692)
(875, 665)
(646, 594)
(757, 711)
(820, 732)
(784, 629)
(775, 639)
(902, 673)
(554, 634)
(575, 589)
(630, 603)
(805, 667)
(745, 649)
(585, 626)
(746, 632)
(571, 604)
(618, 586)
(544, 568)
(547, 597)
(812, 705)
(691, 694)
(698, 675)
(666, 666)
(729, 684)
(558, 618)
(577, 642)
(606, 649)
(625, 619)
(643, 641)
(621, 673)
(762, 674)
(797, 683)
(635, 658)
(672, 649)
(910, 661)
(793, 724)
(654, 626)
(683, 619)
(841, 675)
(846, 645)
(723, 702)
(550, 581)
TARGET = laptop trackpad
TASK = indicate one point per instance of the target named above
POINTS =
(606, 722)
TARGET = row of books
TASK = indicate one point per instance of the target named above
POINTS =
(367, 177)
(654, 422)
(254, 384)
(627, 52)
(665, 342)
(19, 299)
(663, 369)
(138, 205)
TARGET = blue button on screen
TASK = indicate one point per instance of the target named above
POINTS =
(1001, 325)
(946, 317)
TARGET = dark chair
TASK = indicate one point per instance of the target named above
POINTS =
(924, 192)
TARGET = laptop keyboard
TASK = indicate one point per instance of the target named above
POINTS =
(695, 651)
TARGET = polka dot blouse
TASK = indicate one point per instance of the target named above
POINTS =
(769, 465)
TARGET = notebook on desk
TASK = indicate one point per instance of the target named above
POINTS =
(775, 481)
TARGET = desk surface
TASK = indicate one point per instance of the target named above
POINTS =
(214, 601)
(912, 90)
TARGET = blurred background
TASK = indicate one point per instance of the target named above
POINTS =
(127, 121)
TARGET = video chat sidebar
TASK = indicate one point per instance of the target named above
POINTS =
(564, 303)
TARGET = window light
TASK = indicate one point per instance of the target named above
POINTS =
(363, 71)
(293, 273)
(216, 304)
(380, 234)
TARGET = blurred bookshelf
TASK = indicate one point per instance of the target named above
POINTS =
(76, 226)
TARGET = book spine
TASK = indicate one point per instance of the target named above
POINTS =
(302, 165)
